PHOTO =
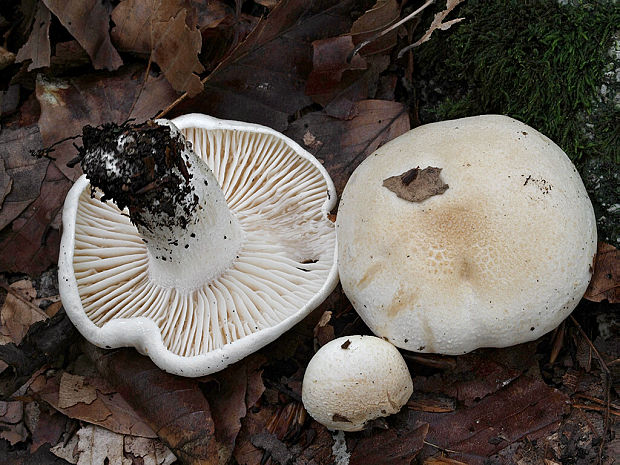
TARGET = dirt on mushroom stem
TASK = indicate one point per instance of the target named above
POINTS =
(140, 167)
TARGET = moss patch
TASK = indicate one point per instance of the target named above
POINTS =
(538, 61)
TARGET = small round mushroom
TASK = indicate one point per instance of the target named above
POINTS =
(462, 234)
(353, 380)
(216, 241)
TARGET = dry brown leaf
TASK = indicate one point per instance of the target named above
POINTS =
(175, 50)
(93, 445)
(6, 183)
(7, 58)
(605, 283)
(45, 424)
(88, 21)
(108, 409)
(34, 237)
(16, 317)
(388, 447)
(11, 422)
(345, 144)
(74, 390)
(133, 21)
(174, 407)
(68, 105)
(23, 173)
(527, 407)
(230, 395)
(329, 65)
(416, 185)
(37, 48)
(263, 79)
(380, 16)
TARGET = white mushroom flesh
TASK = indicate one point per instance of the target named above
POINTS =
(353, 380)
(500, 258)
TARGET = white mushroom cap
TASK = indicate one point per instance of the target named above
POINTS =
(354, 379)
(501, 257)
(279, 197)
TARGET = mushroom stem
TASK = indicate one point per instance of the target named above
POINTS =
(172, 196)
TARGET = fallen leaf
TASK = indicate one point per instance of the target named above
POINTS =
(477, 375)
(263, 79)
(34, 237)
(347, 143)
(88, 22)
(16, 317)
(417, 184)
(133, 21)
(45, 341)
(73, 390)
(37, 48)
(11, 422)
(151, 452)
(388, 447)
(45, 424)
(273, 446)
(329, 64)
(7, 58)
(232, 393)
(383, 14)
(172, 406)
(93, 445)
(90, 400)
(22, 172)
(68, 105)
(323, 331)
(527, 407)
(605, 283)
(175, 50)
(22, 456)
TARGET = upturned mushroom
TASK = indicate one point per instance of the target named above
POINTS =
(197, 247)
(353, 380)
(469, 233)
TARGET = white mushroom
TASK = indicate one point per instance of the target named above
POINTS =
(205, 274)
(489, 247)
(353, 380)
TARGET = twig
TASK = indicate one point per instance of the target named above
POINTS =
(146, 76)
(441, 448)
(362, 44)
(558, 342)
(595, 407)
(607, 387)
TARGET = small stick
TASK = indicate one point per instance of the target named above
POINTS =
(362, 44)
(607, 386)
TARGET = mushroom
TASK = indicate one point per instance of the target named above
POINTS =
(476, 232)
(211, 248)
(353, 380)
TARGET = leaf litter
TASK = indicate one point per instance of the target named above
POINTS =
(290, 65)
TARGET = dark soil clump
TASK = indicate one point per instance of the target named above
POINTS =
(140, 167)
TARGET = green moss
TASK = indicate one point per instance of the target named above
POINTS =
(538, 61)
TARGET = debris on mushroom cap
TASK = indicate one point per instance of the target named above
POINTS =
(500, 253)
(255, 256)
(354, 379)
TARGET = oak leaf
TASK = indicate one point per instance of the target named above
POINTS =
(37, 48)
(605, 282)
(88, 21)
